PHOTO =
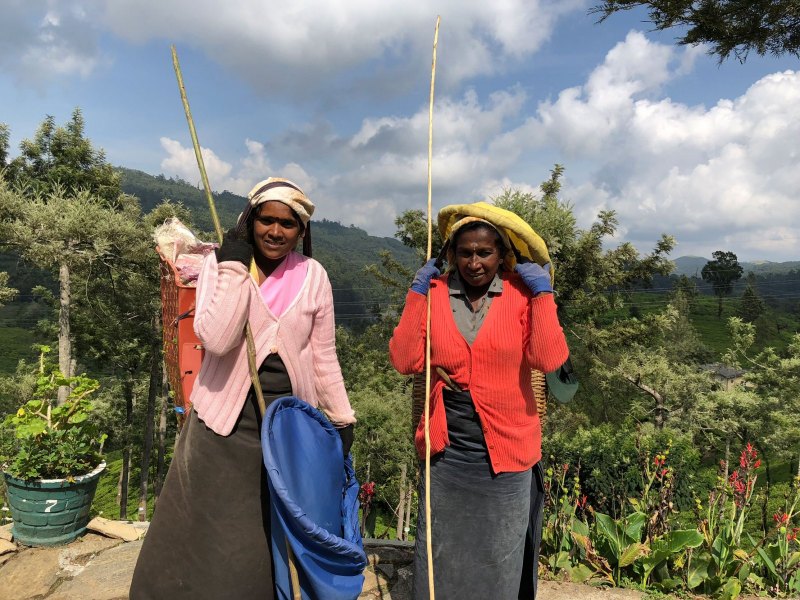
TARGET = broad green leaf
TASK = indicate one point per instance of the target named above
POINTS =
(731, 589)
(608, 528)
(563, 561)
(633, 526)
(631, 553)
(580, 527)
(670, 583)
(793, 560)
(755, 580)
(681, 539)
(744, 572)
(698, 572)
(31, 429)
(580, 573)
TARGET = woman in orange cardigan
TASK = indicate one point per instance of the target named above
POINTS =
(490, 326)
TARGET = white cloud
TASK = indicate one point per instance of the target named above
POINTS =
(708, 175)
(41, 40)
(717, 177)
(254, 167)
(303, 45)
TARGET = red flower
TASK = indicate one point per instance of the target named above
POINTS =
(367, 492)
(781, 518)
(748, 455)
(792, 535)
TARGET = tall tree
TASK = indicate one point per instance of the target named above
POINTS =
(590, 279)
(686, 287)
(654, 355)
(4, 134)
(118, 322)
(721, 273)
(6, 293)
(751, 305)
(57, 199)
(62, 233)
(735, 27)
(62, 158)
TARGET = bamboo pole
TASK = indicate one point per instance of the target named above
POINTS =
(251, 347)
(429, 545)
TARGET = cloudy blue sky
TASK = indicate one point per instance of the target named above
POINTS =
(335, 96)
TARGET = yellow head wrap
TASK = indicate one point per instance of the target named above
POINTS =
(515, 232)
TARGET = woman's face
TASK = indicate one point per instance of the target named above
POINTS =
(275, 230)
(477, 256)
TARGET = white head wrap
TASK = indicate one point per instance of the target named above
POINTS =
(282, 190)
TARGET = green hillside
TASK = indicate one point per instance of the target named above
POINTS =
(774, 328)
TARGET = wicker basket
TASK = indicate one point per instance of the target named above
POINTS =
(183, 352)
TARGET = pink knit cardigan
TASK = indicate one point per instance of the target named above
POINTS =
(303, 336)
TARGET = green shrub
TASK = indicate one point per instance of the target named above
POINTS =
(610, 460)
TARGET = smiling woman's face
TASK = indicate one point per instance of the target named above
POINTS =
(477, 256)
(275, 230)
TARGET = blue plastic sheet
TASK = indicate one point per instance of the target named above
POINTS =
(314, 496)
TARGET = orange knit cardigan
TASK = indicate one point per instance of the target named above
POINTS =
(520, 333)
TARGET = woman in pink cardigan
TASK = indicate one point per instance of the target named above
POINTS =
(490, 325)
(210, 537)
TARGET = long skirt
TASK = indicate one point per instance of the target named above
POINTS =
(485, 527)
(210, 534)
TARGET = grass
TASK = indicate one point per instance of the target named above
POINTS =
(105, 500)
(386, 525)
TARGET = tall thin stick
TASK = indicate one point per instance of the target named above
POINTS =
(251, 347)
(429, 544)
(198, 155)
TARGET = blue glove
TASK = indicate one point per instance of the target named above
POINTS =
(422, 280)
(537, 278)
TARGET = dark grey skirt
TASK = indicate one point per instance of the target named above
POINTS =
(209, 537)
(485, 527)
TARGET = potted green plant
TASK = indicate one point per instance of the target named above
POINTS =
(51, 458)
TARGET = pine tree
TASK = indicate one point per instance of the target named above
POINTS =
(751, 305)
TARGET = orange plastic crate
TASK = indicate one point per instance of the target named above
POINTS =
(183, 352)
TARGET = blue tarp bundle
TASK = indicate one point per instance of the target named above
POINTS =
(314, 503)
